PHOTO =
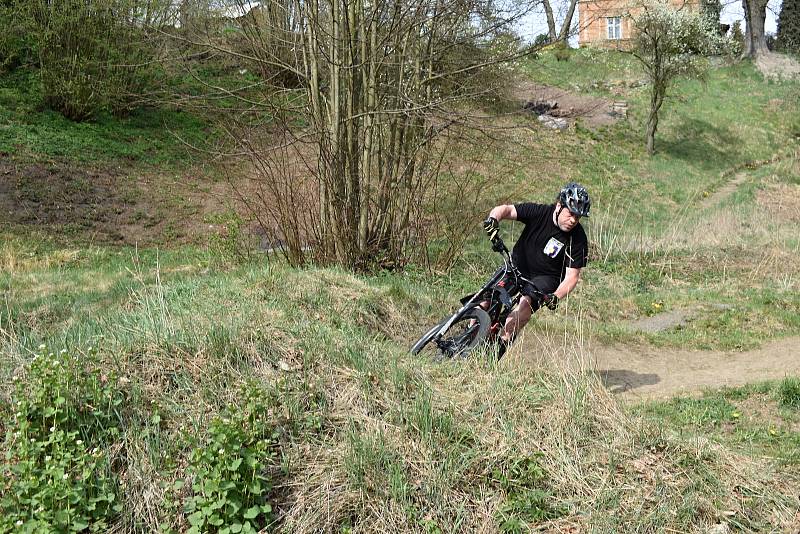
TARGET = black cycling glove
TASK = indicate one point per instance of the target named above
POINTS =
(491, 227)
(550, 300)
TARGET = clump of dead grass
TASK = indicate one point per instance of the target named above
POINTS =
(16, 259)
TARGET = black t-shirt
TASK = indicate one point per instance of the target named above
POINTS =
(543, 248)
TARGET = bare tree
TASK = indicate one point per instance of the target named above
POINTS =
(358, 102)
(566, 24)
(551, 21)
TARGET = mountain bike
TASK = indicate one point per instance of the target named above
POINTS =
(473, 326)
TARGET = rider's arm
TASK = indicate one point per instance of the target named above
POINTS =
(504, 211)
(571, 277)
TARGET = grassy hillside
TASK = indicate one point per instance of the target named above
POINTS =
(154, 136)
(380, 440)
(669, 232)
(178, 386)
(142, 179)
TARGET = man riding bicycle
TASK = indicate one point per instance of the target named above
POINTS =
(550, 253)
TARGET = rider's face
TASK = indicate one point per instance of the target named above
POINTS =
(567, 220)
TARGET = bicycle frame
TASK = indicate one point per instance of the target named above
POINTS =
(501, 302)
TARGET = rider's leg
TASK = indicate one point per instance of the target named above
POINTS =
(518, 318)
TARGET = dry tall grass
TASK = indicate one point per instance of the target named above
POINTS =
(426, 447)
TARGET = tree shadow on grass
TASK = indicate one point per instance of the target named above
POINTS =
(621, 380)
(700, 143)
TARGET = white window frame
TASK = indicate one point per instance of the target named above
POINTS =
(614, 28)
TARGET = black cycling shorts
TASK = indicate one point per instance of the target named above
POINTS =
(541, 283)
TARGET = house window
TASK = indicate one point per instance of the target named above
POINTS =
(614, 27)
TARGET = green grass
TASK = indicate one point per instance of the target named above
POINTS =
(788, 393)
(706, 128)
(587, 71)
(654, 246)
(153, 136)
(760, 420)
(407, 442)
(656, 235)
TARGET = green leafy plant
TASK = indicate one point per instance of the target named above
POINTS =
(227, 470)
(57, 472)
(527, 499)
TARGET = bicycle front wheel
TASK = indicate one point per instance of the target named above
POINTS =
(466, 333)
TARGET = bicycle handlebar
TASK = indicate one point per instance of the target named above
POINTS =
(499, 246)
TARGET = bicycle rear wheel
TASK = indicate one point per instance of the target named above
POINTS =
(466, 333)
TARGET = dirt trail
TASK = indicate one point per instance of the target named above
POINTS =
(646, 372)
(726, 190)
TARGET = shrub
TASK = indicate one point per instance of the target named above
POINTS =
(229, 245)
(770, 38)
(711, 10)
(90, 56)
(57, 476)
(788, 38)
(562, 52)
(736, 41)
(17, 47)
(541, 40)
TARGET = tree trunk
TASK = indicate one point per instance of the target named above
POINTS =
(755, 39)
(656, 100)
(565, 27)
(551, 21)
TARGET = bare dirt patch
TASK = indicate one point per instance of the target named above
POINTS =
(652, 372)
(108, 206)
(662, 321)
(726, 190)
(593, 111)
(676, 318)
(739, 178)
(778, 66)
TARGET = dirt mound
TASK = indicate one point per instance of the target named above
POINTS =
(592, 111)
